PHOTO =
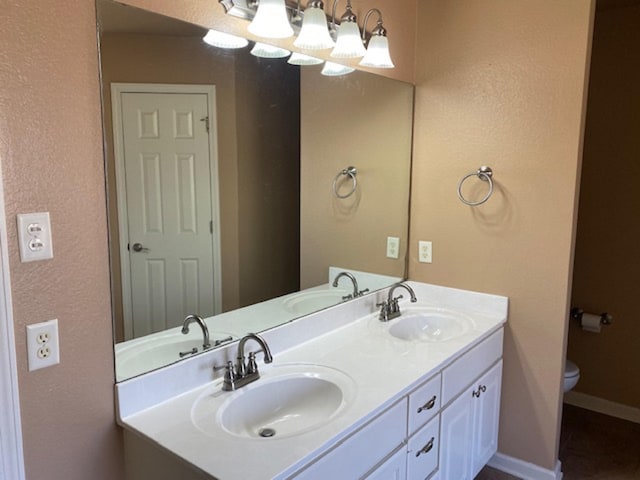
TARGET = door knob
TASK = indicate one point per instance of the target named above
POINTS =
(137, 247)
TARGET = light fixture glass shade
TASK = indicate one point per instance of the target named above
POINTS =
(314, 34)
(302, 59)
(331, 69)
(224, 40)
(348, 44)
(271, 20)
(269, 51)
(377, 55)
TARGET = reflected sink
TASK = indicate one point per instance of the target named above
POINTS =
(307, 302)
(149, 354)
(287, 400)
(434, 325)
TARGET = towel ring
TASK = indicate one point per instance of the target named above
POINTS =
(484, 173)
(350, 172)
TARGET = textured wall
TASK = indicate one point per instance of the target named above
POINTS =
(501, 83)
(607, 259)
(51, 153)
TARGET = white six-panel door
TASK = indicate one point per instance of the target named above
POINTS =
(168, 179)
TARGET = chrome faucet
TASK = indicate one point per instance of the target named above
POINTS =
(244, 373)
(390, 309)
(189, 319)
(356, 293)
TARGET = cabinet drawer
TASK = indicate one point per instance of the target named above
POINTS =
(459, 375)
(394, 468)
(360, 452)
(422, 456)
(424, 403)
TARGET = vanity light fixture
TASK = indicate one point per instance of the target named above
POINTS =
(302, 59)
(314, 34)
(224, 40)
(269, 51)
(332, 69)
(348, 42)
(377, 55)
(271, 20)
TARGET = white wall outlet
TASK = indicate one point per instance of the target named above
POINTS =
(393, 247)
(424, 251)
(42, 344)
(34, 236)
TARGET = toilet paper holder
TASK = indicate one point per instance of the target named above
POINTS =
(605, 318)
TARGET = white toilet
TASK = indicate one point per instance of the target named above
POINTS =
(571, 375)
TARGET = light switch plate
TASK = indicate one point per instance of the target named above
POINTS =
(34, 236)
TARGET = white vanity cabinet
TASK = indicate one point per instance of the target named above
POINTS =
(469, 423)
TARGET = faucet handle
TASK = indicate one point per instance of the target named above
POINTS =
(362, 292)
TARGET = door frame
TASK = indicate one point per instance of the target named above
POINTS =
(11, 449)
(117, 89)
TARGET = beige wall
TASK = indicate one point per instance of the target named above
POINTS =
(51, 154)
(361, 120)
(399, 21)
(501, 83)
(607, 260)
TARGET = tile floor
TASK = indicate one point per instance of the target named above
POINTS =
(592, 447)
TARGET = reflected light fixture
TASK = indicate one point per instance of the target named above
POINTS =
(302, 59)
(314, 34)
(271, 20)
(348, 43)
(224, 40)
(269, 51)
(377, 55)
(332, 69)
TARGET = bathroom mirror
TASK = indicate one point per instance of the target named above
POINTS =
(280, 207)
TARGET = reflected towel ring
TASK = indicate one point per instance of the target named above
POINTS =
(484, 173)
(351, 172)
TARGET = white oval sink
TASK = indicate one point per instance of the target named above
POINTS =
(287, 400)
(307, 302)
(429, 325)
(149, 354)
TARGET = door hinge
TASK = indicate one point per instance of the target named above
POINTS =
(206, 122)
(211, 226)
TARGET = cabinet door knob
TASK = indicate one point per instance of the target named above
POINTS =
(427, 448)
(481, 389)
(429, 405)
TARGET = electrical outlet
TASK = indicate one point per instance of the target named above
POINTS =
(34, 235)
(425, 251)
(393, 247)
(42, 344)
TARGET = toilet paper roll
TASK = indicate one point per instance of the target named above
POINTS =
(591, 322)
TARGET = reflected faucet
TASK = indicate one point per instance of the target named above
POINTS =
(244, 373)
(390, 309)
(189, 319)
(356, 293)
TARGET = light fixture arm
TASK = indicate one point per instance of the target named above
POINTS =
(348, 15)
(378, 30)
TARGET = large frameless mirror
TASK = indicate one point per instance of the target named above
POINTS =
(241, 187)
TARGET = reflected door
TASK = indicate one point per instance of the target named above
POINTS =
(169, 209)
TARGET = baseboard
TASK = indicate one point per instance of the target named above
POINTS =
(522, 469)
(600, 405)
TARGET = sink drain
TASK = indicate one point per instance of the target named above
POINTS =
(267, 432)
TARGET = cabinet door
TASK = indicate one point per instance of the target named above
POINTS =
(395, 468)
(456, 424)
(486, 414)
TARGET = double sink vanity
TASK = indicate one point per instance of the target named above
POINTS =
(346, 396)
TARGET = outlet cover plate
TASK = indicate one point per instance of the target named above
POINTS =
(42, 344)
(34, 236)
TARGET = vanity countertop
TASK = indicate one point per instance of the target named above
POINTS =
(383, 368)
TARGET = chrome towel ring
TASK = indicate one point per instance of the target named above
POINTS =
(349, 172)
(484, 173)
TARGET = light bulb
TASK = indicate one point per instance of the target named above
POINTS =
(377, 55)
(271, 20)
(314, 34)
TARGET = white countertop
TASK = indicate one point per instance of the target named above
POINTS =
(383, 368)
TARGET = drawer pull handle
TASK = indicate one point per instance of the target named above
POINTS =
(427, 448)
(481, 389)
(429, 405)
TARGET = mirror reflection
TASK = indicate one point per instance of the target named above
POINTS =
(241, 187)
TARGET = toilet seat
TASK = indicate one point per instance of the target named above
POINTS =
(571, 370)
